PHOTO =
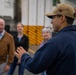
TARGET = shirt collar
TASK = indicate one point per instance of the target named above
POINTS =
(68, 28)
(2, 34)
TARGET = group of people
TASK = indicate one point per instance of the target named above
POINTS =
(8, 46)
(15, 41)
(55, 56)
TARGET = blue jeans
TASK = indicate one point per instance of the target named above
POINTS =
(13, 67)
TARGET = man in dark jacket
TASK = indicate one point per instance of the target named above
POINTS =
(58, 55)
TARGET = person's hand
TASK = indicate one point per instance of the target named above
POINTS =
(6, 68)
(20, 52)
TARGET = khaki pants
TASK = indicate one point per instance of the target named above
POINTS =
(2, 69)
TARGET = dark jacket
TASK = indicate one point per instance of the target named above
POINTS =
(57, 56)
(24, 42)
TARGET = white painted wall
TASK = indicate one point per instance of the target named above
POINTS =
(25, 12)
(48, 8)
(33, 11)
(6, 8)
(40, 11)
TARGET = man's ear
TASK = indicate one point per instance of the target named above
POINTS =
(63, 18)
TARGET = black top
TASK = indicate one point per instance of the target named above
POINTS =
(24, 42)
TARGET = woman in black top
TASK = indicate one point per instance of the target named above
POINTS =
(20, 40)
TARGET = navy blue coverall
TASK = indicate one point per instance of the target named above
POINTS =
(57, 56)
